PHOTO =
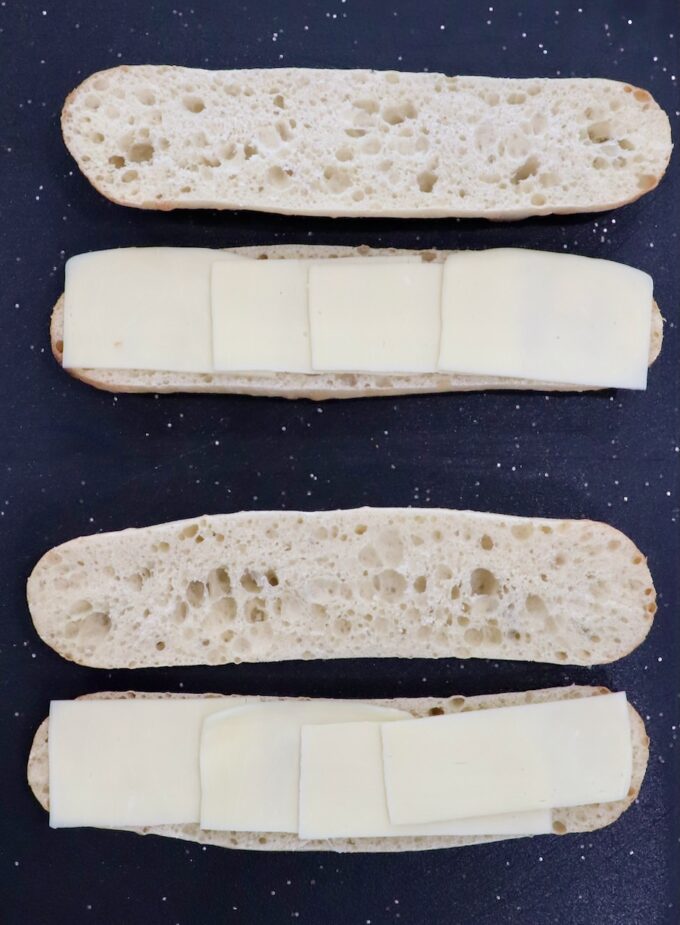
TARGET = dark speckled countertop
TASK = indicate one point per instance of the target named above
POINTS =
(74, 460)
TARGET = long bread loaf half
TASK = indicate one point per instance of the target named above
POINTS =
(368, 582)
(364, 143)
(565, 821)
(314, 386)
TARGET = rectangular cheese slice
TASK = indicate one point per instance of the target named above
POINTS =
(259, 316)
(250, 761)
(375, 317)
(509, 759)
(140, 308)
(550, 317)
(125, 762)
(342, 791)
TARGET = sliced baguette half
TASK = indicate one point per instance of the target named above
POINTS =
(315, 386)
(365, 583)
(565, 821)
(364, 143)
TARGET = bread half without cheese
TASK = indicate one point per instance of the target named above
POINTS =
(364, 143)
(320, 385)
(565, 821)
(363, 583)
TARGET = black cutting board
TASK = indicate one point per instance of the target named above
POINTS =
(75, 460)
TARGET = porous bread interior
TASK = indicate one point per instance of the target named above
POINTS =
(565, 821)
(368, 582)
(359, 142)
(317, 386)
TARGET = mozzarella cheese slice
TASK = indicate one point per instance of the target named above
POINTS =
(125, 762)
(507, 312)
(548, 317)
(510, 759)
(375, 317)
(342, 791)
(140, 308)
(250, 761)
(259, 316)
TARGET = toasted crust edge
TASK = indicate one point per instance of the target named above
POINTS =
(565, 821)
(132, 381)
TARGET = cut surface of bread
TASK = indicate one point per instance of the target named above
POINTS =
(565, 821)
(316, 386)
(364, 143)
(369, 582)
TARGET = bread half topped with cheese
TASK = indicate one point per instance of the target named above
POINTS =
(273, 774)
(364, 583)
(338, 322)
(364, 143)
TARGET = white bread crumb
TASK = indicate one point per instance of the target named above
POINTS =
(369, 582)
(358, 142)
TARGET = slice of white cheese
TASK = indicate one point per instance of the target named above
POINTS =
(250, 761)
(125, 762)
(140, 308)
(509, 759)
(375, 317)
(549, 317)
(342, 791)
(260, 318)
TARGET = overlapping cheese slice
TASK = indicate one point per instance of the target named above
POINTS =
(250, 760)
(511, 313)
(512, 759)
(333, 769)
(140, 308)
(551, 317)
(342, 792)
(126, 762)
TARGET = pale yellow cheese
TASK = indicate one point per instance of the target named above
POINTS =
(250, 761)
(375, 317)
(549, 317)
(510, 759)
(140, 308)
(125, 762)
(259, 315)
(506, 312)
(342, 791)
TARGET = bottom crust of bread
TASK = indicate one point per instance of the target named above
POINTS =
(565, 821)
